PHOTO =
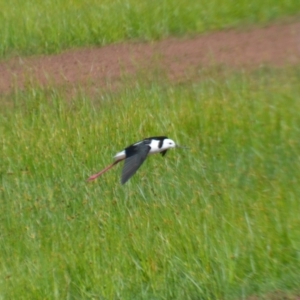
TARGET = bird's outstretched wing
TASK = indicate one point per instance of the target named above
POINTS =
(134, 161)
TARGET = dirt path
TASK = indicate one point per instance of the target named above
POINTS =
(276, 45)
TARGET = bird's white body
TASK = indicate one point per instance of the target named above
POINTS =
(120, 155)
(167, 144)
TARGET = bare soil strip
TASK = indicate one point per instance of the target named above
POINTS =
(276, 45)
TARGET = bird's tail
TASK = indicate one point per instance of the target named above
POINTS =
(94, 176)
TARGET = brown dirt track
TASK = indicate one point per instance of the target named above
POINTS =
(276, 45)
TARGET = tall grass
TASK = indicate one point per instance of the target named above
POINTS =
(218, 221)
(34, 27)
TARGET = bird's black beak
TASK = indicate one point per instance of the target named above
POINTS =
(182, 147)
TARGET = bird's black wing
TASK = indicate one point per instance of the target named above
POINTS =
(134, 161)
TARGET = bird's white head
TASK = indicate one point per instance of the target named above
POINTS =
(168, 143)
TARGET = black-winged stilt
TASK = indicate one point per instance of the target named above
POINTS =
(135, 154)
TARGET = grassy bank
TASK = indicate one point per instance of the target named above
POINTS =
(28, 27)
(218, 221)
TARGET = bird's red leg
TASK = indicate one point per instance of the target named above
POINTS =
(94, 176)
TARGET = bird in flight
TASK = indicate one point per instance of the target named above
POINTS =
(135, 154)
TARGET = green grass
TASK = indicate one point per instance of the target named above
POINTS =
(35, 27)
(217, 221)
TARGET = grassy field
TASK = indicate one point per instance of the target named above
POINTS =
(35, 27)
(217, 221)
